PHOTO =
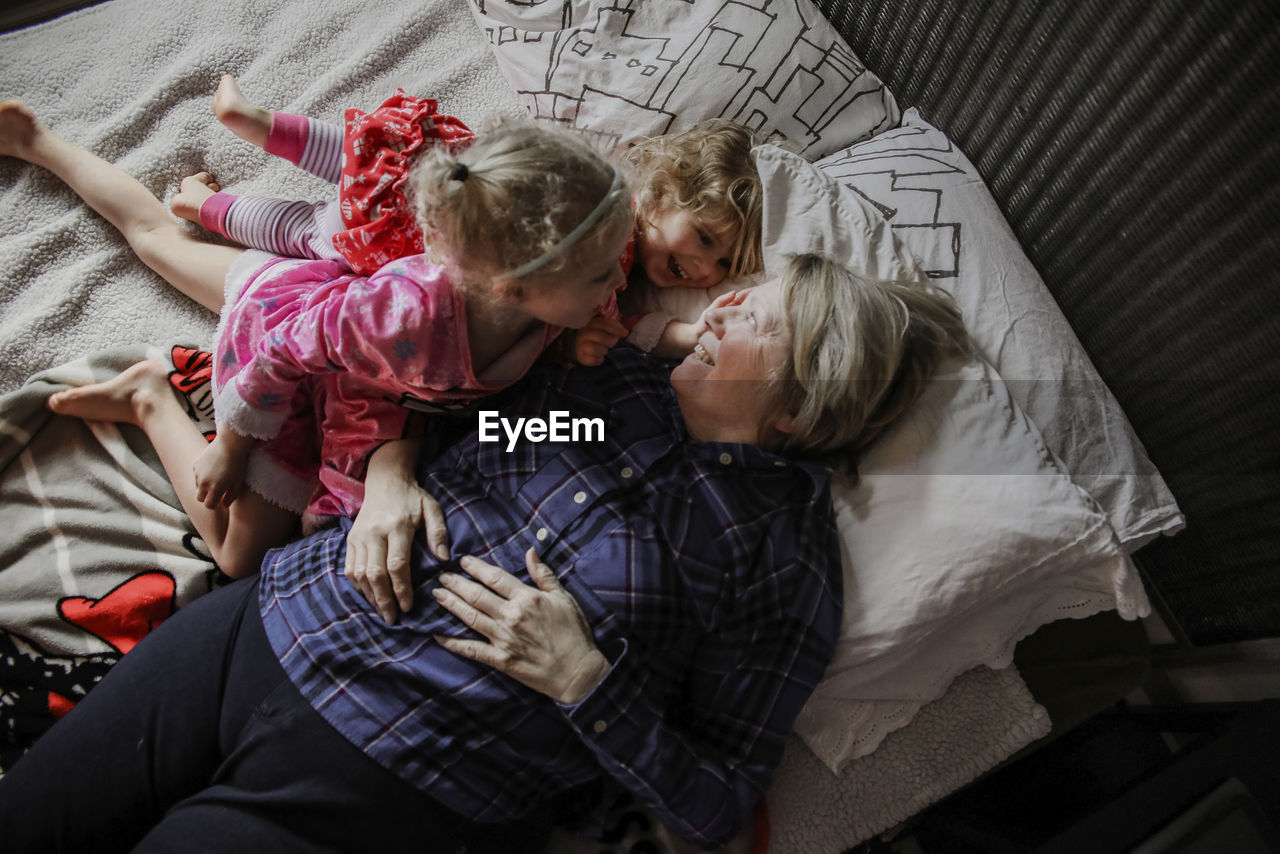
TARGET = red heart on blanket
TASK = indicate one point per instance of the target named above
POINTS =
(123, 616)
(59, 705)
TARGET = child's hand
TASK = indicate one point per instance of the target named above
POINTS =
(597, 338)
(678, 339)
(219, 472)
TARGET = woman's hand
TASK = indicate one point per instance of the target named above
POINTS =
(537, 635)
(378, 544)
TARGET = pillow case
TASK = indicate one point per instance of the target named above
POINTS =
(939, 208)
(628, 69)
(962, 534)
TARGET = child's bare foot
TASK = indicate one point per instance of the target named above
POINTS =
(249, 122)
(18, 129)
(192, 194)
(127, 398)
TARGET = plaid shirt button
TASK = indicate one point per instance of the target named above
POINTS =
(542, 534)
(599, 726)
(579, 497)
(726, 458)
(626, 472)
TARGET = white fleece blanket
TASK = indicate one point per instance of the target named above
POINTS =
(132, 80)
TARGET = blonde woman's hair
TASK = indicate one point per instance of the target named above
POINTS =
(862, 350)
(707, 170)
(509, 199)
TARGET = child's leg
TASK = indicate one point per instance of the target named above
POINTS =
(238, 536)
(247, 121)
(293, 229)
(309, 143)
(196, 268)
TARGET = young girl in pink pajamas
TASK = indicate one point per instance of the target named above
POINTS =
(525, 227)
(396, 338)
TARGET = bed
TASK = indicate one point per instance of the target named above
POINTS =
(1012, 496)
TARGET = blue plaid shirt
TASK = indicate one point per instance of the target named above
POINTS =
(709, 575)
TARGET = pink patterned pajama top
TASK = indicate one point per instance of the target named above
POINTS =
(320, 362)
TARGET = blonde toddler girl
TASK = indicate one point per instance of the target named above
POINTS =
(698, 207)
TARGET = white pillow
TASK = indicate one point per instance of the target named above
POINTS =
(628, 69)
(940, 209)
(962, 535)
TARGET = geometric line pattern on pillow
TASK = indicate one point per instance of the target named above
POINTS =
(939, 208)
(963, 533)
(637, 68)
(907, 175)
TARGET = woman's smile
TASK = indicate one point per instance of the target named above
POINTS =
(701, 353)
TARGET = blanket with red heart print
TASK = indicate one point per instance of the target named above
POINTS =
(97, 550)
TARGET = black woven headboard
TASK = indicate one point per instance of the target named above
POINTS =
(1135, 148)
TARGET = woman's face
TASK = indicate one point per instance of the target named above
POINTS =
(678, 250)
(724, 385)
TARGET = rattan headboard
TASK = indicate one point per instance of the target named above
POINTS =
(1134, 147)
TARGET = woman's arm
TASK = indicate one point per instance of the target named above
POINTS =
(395, 506)
(701, 764)
(702, 761)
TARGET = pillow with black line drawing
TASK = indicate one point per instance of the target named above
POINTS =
(963, 532)
(627, 69)
(939, 208)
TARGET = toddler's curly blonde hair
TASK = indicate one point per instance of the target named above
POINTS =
(707, 170)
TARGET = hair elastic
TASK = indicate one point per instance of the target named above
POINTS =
(460, 172)
(592, 219)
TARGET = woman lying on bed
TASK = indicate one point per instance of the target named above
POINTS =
(681, 601)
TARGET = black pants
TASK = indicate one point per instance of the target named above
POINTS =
(198, 741)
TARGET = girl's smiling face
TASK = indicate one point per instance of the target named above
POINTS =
(724, 385)
(678, 250)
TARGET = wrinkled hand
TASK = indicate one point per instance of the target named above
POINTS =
(380, 539)
(219, 473)
(597, 338)
(537, 635)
